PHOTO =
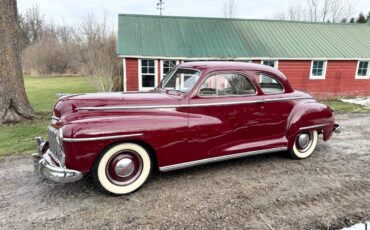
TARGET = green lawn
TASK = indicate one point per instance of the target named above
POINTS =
(41, 91)
(343, 107)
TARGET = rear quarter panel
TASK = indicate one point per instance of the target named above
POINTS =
(309, 115)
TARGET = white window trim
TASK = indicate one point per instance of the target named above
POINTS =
(276, 62)
(155, 75)
(323, 77)
(161, 66)
(124, 82)
(367, 76)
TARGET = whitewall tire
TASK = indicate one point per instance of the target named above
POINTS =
(304, 144)
(122, 169)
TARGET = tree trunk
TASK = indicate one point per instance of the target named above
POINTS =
(14, 104)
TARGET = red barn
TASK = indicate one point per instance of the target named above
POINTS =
(325, 59)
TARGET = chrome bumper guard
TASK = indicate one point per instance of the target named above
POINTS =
(46, 168)
(337, 128)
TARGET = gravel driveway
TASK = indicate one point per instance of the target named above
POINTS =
(328, 190)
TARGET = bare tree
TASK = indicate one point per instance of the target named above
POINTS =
(229, 9)
(33, 23)
(98, 53)
(14, 104)
(319, 11)
(88, 49)
(313, 10)
(341, 9)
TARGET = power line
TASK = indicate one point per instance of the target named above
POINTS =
(160, 6)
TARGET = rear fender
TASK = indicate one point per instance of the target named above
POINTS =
(307, 116)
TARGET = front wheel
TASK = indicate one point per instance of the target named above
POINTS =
(304, 144)
(122, 169)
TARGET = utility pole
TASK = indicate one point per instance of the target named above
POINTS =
(160, 6)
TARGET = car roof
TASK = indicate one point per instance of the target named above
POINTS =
(230, 65)
(211, 66)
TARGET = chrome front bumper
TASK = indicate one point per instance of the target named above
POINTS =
(46, 167)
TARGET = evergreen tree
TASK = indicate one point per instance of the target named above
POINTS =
(361, 18)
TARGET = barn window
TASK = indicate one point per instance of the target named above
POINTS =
(363, 70)
(271, 63)
(147, 74)
(167, 65)
(318, 70)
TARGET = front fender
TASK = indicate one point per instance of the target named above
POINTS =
(157, 128)
(307, 116)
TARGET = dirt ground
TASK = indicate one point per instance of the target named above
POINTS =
(329, 190)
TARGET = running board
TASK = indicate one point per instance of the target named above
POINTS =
(217, 159)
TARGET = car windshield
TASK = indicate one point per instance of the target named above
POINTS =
(181, 80)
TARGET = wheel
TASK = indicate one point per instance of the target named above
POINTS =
(304, 144)
(122, 169)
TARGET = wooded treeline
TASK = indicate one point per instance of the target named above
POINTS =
(88, 48)
(330, 11)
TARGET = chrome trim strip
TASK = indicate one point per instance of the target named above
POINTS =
(314, 126)
(221, 158)
(55, 118)
(100, 138)
(191, 105)
(129, 107)
(65, 95)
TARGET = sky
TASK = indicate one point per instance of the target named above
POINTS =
(72, 11)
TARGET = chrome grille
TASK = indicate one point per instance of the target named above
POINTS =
(55, 146)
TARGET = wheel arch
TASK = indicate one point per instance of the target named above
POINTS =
(149, 148)
(307, 116)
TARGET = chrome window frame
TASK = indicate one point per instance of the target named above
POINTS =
(273, 77)
(175, 70)
(223, 96)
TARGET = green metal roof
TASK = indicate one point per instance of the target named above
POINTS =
(196, 37)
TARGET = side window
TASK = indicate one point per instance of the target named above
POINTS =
(269, 85)
(226, 84)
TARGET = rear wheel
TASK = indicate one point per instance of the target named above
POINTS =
(304, 144)
(122, 169)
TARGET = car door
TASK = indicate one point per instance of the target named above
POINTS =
(224, 116)
(276, 110)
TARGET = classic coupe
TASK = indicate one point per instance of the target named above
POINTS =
(201, 112)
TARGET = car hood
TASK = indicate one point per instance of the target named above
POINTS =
(70, 104)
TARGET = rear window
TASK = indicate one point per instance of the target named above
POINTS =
(269, 85)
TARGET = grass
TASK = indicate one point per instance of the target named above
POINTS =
(41, 91)
(344, 107)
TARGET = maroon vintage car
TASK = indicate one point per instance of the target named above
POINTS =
(201, 112)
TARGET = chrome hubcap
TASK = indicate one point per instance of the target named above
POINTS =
(124, 167)
(303, 140)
